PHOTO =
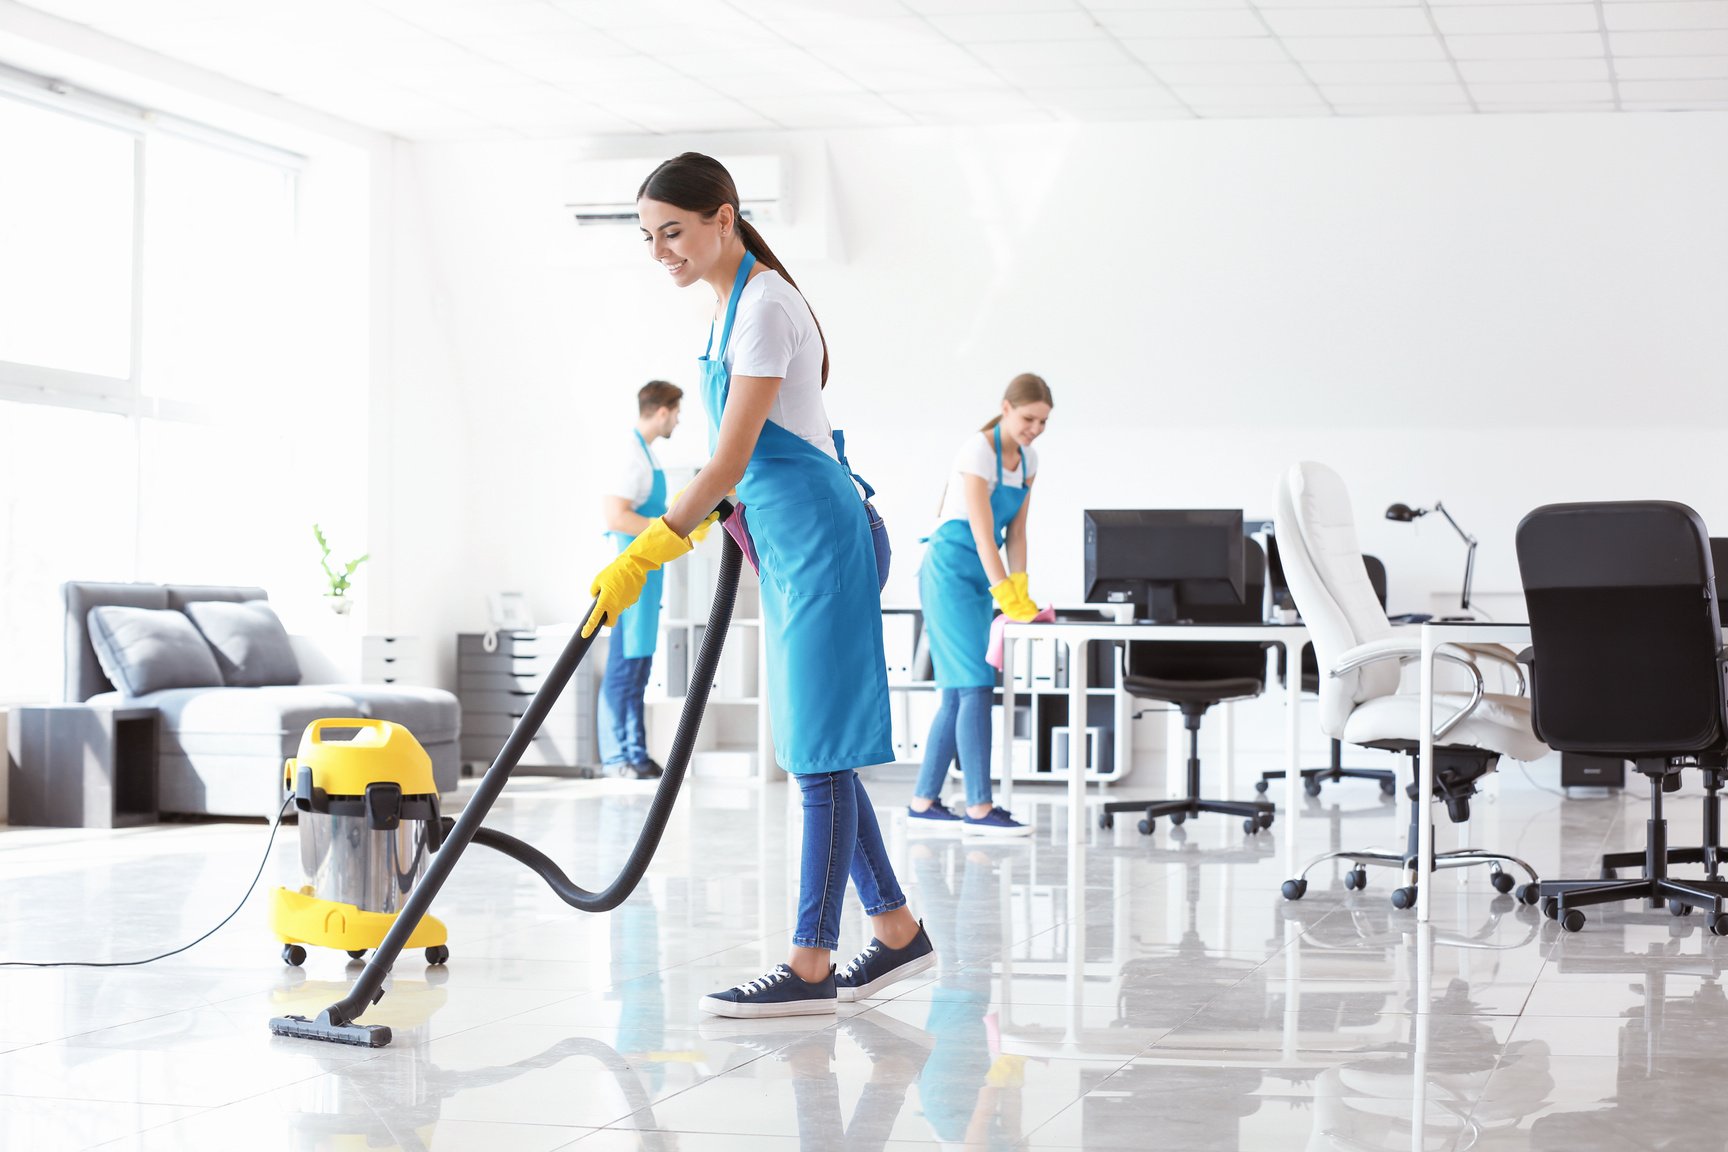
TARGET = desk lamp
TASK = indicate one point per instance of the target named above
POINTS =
(1405, 514)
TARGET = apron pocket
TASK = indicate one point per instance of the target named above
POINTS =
(796, 543)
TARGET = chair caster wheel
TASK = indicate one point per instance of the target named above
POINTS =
(1679, 908)
(1260, 786)
(1106, 821)
(438, 954)
(1403, 898)
(1572, 920)
(1250, 826)
(1265, 819)
(1502, 881)
(1551, 908)
(1388, 788)
(293, 955)
(1356, 880)
(1719, 924)
(1178, 818)
(1529, 894)
(1312, 787)
(1146, 826)
(1294, 889)
(356, 953)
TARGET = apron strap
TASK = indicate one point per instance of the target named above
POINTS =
(738, 283)
(840, 451)
(645, 452)
(997, 432)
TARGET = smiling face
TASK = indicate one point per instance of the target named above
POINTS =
(682, 242)
(1024, 423)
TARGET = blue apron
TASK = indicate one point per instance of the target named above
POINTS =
(955, 592)
(640, 623)
(821, 604)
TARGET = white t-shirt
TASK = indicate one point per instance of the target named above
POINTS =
(773, 334)
(632, 474)
(977, 457)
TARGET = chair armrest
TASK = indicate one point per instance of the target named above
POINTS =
(1403, 650)
(1501, 654)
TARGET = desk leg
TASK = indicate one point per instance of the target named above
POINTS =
(1424, 943)
(1227, 734)
(1425, 778)
(1292, 755)
(1077, 760)
(1006, 735)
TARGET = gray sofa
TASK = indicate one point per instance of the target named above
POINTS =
(221, 748)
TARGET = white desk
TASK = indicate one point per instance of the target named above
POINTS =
(1078, 635)
(1434, 634)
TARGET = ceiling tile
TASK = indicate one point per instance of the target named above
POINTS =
(856, 111)
(1713, 43)
(1262, 112)
(1349, 22)
(1513, 71)
(1151, 97)
(1125, 73)
(971, 108)
(1040, 27)
(1404, 94)
(1543, 93)
(1380, 71)
(714, 114)
(1249, 95)
(1510, 18)
(971, 7)
(1061, 54)
(880, 32)
(1242, 72)
(1544, 46)
(1206, 49)
(1522, 107)
(1670, 67)
(1674, 105)
(1182, 22)
(933, 66)
(756, 86)
(1682, 90)
(1359, 111)
(1366, 48)
(1658, 16)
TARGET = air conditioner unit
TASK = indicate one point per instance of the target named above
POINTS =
(602, 191)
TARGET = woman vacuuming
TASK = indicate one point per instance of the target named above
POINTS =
(984, 507)
(761, 383)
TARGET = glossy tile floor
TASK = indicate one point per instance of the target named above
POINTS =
(1131, 993)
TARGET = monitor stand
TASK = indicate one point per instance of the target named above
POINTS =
(1160, 603)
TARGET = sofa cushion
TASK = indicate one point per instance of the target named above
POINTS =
(251, 646)
(144, 650)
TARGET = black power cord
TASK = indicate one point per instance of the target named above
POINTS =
(268, 844)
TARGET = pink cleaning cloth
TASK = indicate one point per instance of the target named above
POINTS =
(994, 656)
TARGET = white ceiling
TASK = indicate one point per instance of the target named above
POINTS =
(476, 69)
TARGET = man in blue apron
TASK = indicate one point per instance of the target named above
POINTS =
(635, 497)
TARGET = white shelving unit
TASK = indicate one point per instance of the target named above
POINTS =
(734, 741)
(1040, 747)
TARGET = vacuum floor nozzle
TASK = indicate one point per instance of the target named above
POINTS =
(359, 1035)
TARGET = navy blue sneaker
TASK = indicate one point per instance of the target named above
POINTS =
(779, 992)
(879, 966)
(996, 822)
(937, 817)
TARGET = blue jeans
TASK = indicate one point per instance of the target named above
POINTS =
(623, 739)
(961, 728)
(841, 837)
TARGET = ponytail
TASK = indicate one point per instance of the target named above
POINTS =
(758, 247)
(698, 183)
(1026, 388)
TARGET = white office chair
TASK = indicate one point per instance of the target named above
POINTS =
(1362, 697)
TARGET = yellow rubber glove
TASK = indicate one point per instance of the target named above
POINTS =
(619, 584)
(1014, 606)
(1022, 585)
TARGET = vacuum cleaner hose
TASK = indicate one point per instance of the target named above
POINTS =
(337, 1023)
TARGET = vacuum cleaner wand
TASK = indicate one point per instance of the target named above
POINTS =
(338, 1023)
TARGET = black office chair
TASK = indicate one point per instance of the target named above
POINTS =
(1194, 677)
(1312, 778)
(1626, 660)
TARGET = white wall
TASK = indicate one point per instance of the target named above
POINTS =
(1493, 311)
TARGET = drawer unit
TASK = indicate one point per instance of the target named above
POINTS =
(496, 686)
(392, 660)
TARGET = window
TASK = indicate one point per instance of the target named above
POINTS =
(156, 417)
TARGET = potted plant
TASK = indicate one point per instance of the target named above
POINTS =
(337, 576)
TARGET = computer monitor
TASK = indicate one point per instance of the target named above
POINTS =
(1159, 559)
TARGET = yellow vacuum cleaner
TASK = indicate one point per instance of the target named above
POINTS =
(369, 822)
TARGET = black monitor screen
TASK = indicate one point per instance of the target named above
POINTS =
(1159, 558)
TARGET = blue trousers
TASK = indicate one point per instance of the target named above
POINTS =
(961, 728)
(623, 738)
(841, 838)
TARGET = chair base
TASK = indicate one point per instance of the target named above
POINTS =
(1312, 778)
(1256, 814)
(1711, 853)
(1565, 900)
